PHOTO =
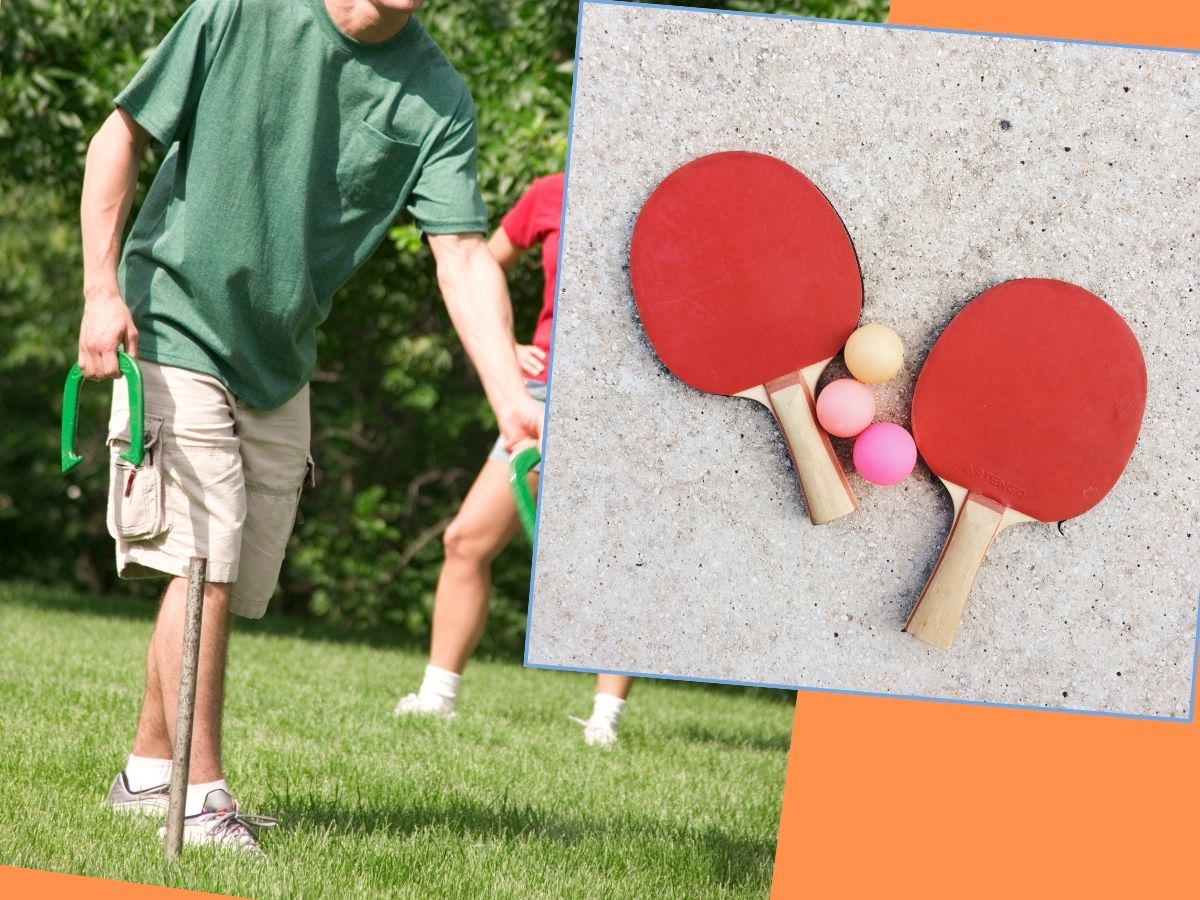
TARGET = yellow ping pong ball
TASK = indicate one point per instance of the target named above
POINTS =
(874, 354)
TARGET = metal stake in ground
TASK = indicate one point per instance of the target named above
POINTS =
(187, 706)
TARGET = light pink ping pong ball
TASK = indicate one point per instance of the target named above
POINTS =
(885, 454)
(845, 407)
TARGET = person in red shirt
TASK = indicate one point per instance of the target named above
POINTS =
(487, 520)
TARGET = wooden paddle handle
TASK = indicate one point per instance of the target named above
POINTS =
(826, 490)
(939, 609)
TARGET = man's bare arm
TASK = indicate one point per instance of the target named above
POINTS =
(531, 359)
(109, 183)
(476, 296)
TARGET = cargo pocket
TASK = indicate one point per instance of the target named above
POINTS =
(373, 168)
(136, 509)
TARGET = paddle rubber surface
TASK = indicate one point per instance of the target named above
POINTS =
(742, 272)
(1032, 396)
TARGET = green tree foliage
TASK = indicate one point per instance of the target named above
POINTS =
(400, 423)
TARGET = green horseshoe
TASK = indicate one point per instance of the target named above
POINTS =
(137, 414)
(519, 467)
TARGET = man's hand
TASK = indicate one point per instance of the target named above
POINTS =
(109, 181)
(531, 358)
(107, 324)
(521, 422)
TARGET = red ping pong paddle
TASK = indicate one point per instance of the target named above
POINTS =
(747, 285)
(1027, 408)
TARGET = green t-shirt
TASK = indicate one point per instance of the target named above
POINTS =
(292, 149)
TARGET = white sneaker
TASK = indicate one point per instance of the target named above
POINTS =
(597, 732)
(416, 705)
(222, 823)
(150, 802)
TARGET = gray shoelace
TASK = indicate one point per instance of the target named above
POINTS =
(235, 824)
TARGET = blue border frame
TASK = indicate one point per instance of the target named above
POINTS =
(550, 378)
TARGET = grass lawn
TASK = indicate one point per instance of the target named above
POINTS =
(503, 801)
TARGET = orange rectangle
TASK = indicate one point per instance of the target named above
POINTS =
(901, 798)
(1174, 23)
(21, 883)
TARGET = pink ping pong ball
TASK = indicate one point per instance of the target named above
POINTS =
(845, 407)
(874, 354)
(885, 454)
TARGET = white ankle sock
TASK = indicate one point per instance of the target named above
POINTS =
(608, 708)
(196, 793)
(440, 684)
(144, 772)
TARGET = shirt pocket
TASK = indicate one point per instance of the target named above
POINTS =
(136, 511)
(373, 168)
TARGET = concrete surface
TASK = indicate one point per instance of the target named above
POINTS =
(673, 536)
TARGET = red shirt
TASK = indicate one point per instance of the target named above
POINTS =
(536, 219)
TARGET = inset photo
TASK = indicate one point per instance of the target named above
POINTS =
(875, 376)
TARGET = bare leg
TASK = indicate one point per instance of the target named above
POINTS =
(151, 739)
(483, 527)
(156, 726)
(616, 685)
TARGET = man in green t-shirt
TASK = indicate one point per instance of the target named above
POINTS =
(295, 132)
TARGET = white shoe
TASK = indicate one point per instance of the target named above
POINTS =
(597, 732)
(150, 802)
(220, 822)
(416, 705)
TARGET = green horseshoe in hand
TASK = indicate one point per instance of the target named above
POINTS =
(519, 467)
(137, 413)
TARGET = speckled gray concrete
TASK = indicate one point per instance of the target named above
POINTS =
(673, 535)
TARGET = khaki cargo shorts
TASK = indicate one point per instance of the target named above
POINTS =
(220, 480)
